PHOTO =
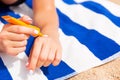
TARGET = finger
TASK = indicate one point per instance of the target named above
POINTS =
(50, 57)
(34, 55)
(26, 19)
(15, 36)
(15, 51)
(44, 54)
(22, 30)
(28, 62)
(17, 44)
(57, 58)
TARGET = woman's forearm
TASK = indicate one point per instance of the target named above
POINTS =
(40, 5)
(45, 17)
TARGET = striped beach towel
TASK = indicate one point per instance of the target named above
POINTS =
(89, 34)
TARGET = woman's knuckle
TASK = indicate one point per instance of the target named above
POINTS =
(34, 56)
(6, 49)
(42, 59)
(57, 59)
(50, 59)
(9, 51)
(19, 29)
(24, 48)
(14, 54)
(5, 43)
(38, 39)
(2, 36)
(23, 36)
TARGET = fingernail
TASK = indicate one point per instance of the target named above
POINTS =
(31, 72)
(29, 19)
(36, 32)
(27, 64)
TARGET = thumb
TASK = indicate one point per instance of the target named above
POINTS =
(26, 19)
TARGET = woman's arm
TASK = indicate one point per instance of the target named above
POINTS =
(46, 50)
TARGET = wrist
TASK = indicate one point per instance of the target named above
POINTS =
(51, 32)
(1, 47)
(41, 19)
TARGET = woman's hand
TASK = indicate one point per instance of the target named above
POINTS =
(13, 38)
(45, 51)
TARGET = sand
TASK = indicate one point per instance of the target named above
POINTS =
(108, 71)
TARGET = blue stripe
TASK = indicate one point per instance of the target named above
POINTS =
(98, 8)
(29, 45)
(54, 72)
(70, 2)
(101, 46)
(29, 3)
(4, 73)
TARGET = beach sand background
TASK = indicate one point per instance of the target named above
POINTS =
(108, 71)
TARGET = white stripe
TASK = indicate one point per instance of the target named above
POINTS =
(90, 20)
(76, 55)
(23, 9)
(112, 7)
(1, 26)
(17, 69)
